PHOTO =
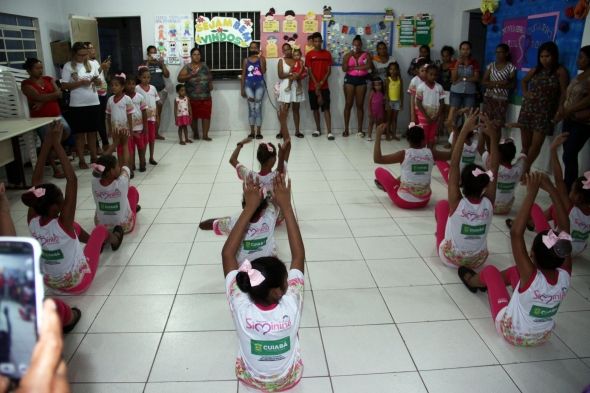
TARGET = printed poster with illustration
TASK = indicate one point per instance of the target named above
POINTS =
(294, 29)
(174, 38)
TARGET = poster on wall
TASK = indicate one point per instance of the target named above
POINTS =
(291, 28)
(223, 29)
(174, 38)
(343, 27)
(415, 30)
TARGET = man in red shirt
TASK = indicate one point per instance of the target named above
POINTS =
(319, 66)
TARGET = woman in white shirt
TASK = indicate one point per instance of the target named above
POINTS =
(266, 302)
(81, 78)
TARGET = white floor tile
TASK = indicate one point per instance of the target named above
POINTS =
(202, 279)
(133, 314)
(489, 379)
(158, 254)
(340, 275)
(191, 387)
(371, 351)
(386, 247)
(420, 304)
(171, 233)
(148, 280)
(120, 257)
(446, 344)
(312, 353)
(330, 250)
(473, 305)
(180, 215)
(582, 285)
(118, 357)
(325, 229)
(319, 212)
(200, 312)
(388, 383)
(71, 343)
(89, 305)
(573, 328)
(363, 211)
(104, 280)
(351, 307)
(371, 227)
(401, 272)
(549, 377)
(107, 387)
(417, 225)
(207, 253)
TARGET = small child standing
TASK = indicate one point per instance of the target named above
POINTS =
(116, 201)
(119, 118)
(376, 107)
(416, 81)
(151, 96)
(297, 70)
(429, 103)
(182, 114)
(139, 118)
(394, 86)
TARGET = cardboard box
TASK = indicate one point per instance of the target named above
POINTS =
(60, 51)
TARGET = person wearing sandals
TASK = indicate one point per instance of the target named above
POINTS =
(319, 67)
(43, 97)
(463, 221)
(356, 66)
(540, 278)
(67, 266)
(262, 293)
(288, 98)
(116, 201)
(253, 87)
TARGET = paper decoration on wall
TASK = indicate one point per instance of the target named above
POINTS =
(223, 29)
(310, 24)
(269, 24)
(340, 31)
(327, 15)
(388, 15)
(271, 42)
(415, 30)
(172, 34)
(581, 9)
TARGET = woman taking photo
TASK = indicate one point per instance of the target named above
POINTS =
(43, 96)
(252, 86)
(288, 96)
(198, 81)
(543, 90)
(81, 78)
(356, 65)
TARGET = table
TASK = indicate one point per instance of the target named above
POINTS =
(11, 129)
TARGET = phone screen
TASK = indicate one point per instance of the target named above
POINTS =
(18, 316)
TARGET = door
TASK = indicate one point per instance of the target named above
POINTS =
(85, 29)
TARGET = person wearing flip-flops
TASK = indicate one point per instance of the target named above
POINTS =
(540, 278)
(253, 86)
(463, 221)
(319, 67)
(67, 266)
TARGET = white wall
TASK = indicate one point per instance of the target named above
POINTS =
(226, 98)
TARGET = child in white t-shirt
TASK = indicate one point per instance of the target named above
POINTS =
(116, 201)
(416, 81)
(151, 96)
(429, 101)
(119, 118)
(140, 120)
(266, 302)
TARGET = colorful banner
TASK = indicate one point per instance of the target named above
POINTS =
(223, 29)
(294, 30)
(513, 35)
(540, 28)
(174, 38)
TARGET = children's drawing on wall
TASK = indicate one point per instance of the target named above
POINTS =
(173, 35)
(290, 28)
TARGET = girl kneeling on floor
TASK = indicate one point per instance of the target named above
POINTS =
(66, 265)
(116, 201)
(266, 302)
(412, 189)
(540, 279)
(463, 221)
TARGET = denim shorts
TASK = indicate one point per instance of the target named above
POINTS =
(394, 105)
(42, 131)
(462, 100)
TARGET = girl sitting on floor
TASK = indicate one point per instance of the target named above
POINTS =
(540, 278)
(116, 201)
(262, 293)
(66, 265)
(463, 221)
(412, 189)
(468, 155)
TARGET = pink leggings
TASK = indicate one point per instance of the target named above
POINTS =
(496, 281)
(539, 218)
(391, 186)
(444, 169)
(133, 198)
(63, 310)
(441, 216)
(97, 238)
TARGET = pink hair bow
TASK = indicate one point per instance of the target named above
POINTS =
(121, 75)
(476, 172)
(97, 167)
(412, 124)
(269, 148)
(506, 140)
(586, 182)
(550, 239)
(256, 278)
(38, 192)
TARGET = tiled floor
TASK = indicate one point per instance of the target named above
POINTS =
(381, 313)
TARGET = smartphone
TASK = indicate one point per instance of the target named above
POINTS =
(21, 297)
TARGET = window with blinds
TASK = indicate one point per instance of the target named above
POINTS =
(19, 39)
(223, 58)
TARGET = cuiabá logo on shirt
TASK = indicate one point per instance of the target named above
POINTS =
(52, 255)
(506, 187)
(467, 159)
(543, 312)
(472, 230)
(579, 235)
(254, 244)
(420, 168)
(109, 206)
(270, 348)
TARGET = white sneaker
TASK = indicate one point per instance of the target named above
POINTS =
(370, 139)
(330, 137)
(316, 133)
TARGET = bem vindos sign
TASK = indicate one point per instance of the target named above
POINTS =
(223, 29)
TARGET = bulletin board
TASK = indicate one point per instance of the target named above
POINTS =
(275, 27)
(174, 38)
(343, 27)
(415, 30)
(524, 25)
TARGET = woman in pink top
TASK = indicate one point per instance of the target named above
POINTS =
(356, 64)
